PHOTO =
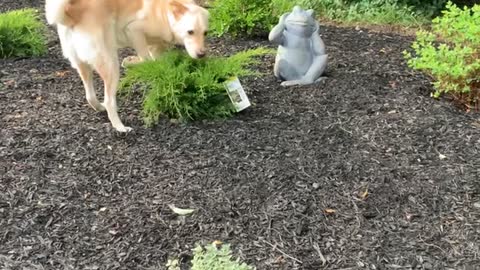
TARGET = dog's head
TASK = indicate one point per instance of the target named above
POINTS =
(189, 23)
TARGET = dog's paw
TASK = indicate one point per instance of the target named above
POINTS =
(100, 107)
(94, 104)
(130, 60)
(123, 129)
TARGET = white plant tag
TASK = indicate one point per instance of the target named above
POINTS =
(237, 93)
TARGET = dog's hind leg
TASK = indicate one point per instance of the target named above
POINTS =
(86, 73)
(108, 68)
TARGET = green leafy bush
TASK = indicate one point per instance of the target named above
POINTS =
(240, 17)
(257, 17)
(249, 17)
(383, 12)
(179, 87)
(450, 53)
(423, 9)
(21, 34)
(213, 257)
(369, 11)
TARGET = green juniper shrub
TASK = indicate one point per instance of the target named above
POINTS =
(213, 257)
(450, 54)
(21, 34)
(179, 87)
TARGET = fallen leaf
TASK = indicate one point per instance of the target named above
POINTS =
(364, 194)
(180, 211)
(442, 157)
(217, 243)
(393, 84)
(330, 211)
(61, 73)
(9, 83)
(280, 260)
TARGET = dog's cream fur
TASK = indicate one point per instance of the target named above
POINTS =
(92, 31)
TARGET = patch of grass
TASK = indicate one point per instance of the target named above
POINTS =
(21, 34)
(450, 54)
(179, 87)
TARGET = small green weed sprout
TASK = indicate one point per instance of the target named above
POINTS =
(179, 87)
(213, 257)
(450, 54)
(21, 34)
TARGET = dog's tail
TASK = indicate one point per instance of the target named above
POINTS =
(56, 12)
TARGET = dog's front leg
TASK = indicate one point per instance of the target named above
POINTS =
(157, 49)
(139, 43)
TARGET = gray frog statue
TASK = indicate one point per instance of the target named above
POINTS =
(301, 57)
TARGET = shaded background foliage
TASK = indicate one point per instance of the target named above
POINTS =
(429, 7)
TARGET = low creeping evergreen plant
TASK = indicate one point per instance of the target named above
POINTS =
(450, 54)
(213, 257)
(22, 34)
(179, 87)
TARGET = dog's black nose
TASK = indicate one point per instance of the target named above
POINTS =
(201, 54)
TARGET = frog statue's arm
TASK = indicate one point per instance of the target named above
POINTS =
(317, 42)
(319, 64)
(320, 60)
(276, 34)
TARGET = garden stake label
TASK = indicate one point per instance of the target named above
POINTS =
(237, 94)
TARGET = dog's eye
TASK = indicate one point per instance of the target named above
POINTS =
(190, 32)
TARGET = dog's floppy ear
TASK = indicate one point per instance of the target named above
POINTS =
(178, 9)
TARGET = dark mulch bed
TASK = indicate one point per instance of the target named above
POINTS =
(76, 195)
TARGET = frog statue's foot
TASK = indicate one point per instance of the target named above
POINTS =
(301, 82)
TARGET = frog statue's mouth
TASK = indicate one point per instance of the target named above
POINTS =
(300, 23)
